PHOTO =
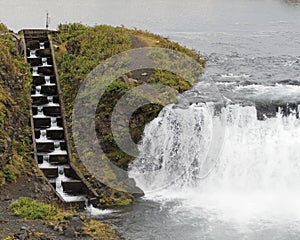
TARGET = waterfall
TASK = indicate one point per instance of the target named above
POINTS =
(175, 147)
(256, 157)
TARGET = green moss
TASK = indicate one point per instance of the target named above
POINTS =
(122, 201)
(29, 209)
(111, 197)
(13, 168)
(98, 230)
(15, 87)
(80, 49)
(2, 179)
(3, 28)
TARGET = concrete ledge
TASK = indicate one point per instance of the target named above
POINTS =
(42, 122)
(55, 134)
(58, 159)
(73, 187)
(45, 147)
(39, 80)
(50, 172)
(49, 90)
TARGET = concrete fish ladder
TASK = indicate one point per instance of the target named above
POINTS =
(52, 150)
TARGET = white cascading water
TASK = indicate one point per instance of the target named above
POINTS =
(256, 175)
(172, 147)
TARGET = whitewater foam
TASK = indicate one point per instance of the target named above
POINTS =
(256, 177)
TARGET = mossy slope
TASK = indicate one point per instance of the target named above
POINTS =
(15, 83)
(80, 49)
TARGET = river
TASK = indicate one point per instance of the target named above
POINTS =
(253, 53)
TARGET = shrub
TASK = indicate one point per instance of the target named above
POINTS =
(29, 209)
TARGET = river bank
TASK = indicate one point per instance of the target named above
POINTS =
(79, 50)
(19, 174)
(23, 178)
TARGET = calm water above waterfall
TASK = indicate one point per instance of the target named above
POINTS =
(249, 188)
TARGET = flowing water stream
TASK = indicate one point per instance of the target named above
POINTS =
(211, 172)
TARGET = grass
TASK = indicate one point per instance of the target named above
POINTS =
(15, 86)
(29, 209)
(98, 230)
(80, 49)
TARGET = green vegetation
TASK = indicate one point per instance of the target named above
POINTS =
(80, 49)
(29, 209)
(15, 140)
(15, 86)
(98, 230)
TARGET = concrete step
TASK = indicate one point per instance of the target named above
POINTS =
(40, 53)
(39, 100)
(40, 80)
(42, 123)
(63, 146)
(45, 147)
(59, 159)
(53, 111)
(52, 134)
(44, 90)
(54, 159)
(49, 90)
(50, 172)
(73, 187)
(39, 61)
(43, 53)
(51, 148)
(44, 70)
(36, 44)
(69, 172)
(35, 34)
(43, 99)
